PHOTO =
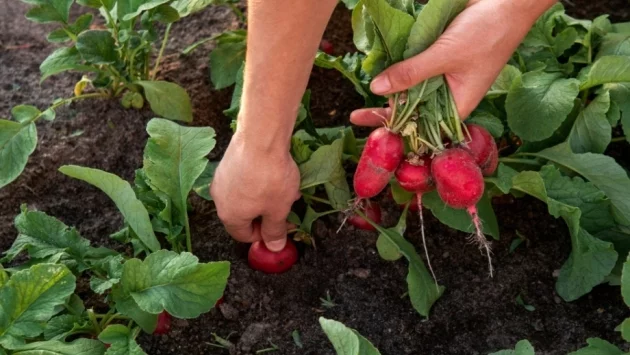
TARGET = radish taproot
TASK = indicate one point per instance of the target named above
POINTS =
(459, 182)
(372, 211)
(262, 259)
(381, 155)
(483, 148)
(163, 323)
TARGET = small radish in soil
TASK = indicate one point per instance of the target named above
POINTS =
(381, 156)
(163, 323)
(483, 148)
(262, 259)
(460, 184)
(326, 47)
(372, 211)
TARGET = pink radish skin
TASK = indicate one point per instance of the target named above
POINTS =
(415, 177)
(457, 178)
(483, 148)
(372, 211)
(381, 155)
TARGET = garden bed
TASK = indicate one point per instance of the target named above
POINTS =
(476, 315)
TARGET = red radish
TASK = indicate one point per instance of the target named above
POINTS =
(372, 211)
(326, 47)
(262, 259)
(163, 323)
(460, 185)
(413, 206)
(483, 148)
(381, 156)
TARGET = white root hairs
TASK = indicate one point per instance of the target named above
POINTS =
(480, 239)
(424, 242)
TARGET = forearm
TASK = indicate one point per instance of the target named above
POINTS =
(283, 36)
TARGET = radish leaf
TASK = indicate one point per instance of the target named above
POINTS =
(122, 340)
(597, 346)
(49, 11)
(17, 143)
(523, 347)
(55, 347)
(227, 58)
(97, 47)
(392, 25)
(168, 100)
(346, 341)
(591, 131)
(607, 69)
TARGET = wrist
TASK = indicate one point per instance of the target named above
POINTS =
(262, 135)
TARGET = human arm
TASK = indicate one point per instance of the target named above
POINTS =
(257, 176)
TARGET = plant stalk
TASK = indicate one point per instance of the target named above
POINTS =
(159, 58)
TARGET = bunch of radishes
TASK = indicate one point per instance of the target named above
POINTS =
(441, 153)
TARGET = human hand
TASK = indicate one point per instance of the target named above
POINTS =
(251, 182)
(470, 54)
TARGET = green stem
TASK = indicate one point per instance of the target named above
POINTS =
(112, 318)
(318, 199)
(132, 60)
(519, 161)
(456, 119)
(93, 320)
(161, 53)
(618, 139)
(64, 102)
(446, 129)
(188, 238)
(238, 13)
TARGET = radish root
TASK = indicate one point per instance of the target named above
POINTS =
(479, 238)
(424, 242)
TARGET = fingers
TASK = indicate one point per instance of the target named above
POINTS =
(408, 73)
(370, 117)
(242, 231)
(274, 232)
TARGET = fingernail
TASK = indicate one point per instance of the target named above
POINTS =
(276, 245)
(380, 85)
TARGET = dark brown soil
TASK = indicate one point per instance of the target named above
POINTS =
(476, 315)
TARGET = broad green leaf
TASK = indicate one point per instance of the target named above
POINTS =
(202, 184)
(174, 157)
(17, 143)
(235, 103)
(350, 4)
(431, 23)
(63, 59)
(165, 14)
(55, 347)
(325, 165)
(523, 347)
(607, 69)
(227, 58)
(614, 44)
(564, 40)
(4, 277)
(145, 6)
(460, 219)
(124, 7)
(49, 11)
(350, 67)
(63, 34)
(107, 4)
(625, 329)
(504, 81)
(97, 47)
(491, 123)
(43, 236)
(346, 341)
(541, 34)
(387, 249)
(168, 100)
(393, 26)
(126, 305)
(123, 196)
(57, 328)
(598, 346)
(591, 131)
(188, 7)
(600, 170)
(121, 339)
(362, 28)
(300, 151)
(503, 180)
(177, 283)
(30, 298)
(625, 281)
(338, 192)
(538, 103)
(111, 266)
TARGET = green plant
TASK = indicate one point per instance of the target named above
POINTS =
(40, 307)
(346, 341)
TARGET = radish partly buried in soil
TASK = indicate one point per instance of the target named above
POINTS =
(163, 324)
(262, 259)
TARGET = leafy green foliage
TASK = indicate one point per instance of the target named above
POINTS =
(121, 339)
(523, 347)
(598, 346)
(168, 100)
(227, 58)
(346, 341)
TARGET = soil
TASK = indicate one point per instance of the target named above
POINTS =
(476, 315)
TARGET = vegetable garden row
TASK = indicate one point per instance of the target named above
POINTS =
(543, 130)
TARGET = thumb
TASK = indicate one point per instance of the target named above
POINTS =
(406, 74)
(274, 232)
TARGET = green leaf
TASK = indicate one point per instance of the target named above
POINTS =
(63, 59)
(625, 329)
(591, 131)
(165, 14)
(128, 307)
(17, 143)
(177, 283)
(42, 236)
(63, 34)
(123, 196)
(338, 192)
(607, 69)
(55, 347)
(565, 40)
(49, 11)
(168, 100)
(174, 157)
(235, 104)
(202, 184)
(614, 44)
(97, 47)
(393, 25)
(4, 277)
(503, 180)
(59, 327)
(538, 103)
(460, 219)
(124, 7)
(598, 346)
(625, 281)
(541, 34)
(350, 4)
(30, 298)
(491, 123)
(325, 165)
(523, 347)
(346, 341)
(504, 81)
(227, 58)
(600, 170)
(362, 28)
(188, 7)
(112, 267)
(431, 23)
(145, 6)
(122, 340)
(108, 4)
(350, 66)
